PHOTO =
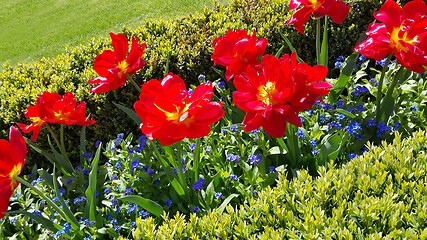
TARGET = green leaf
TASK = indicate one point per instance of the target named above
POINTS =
(282, 145)
(171, 176)
(226, 202)
(389, 102)
(178, 188)
(42, 220)
(324, 49)
(220, 73)
(91, 190)
(279, 52)
(210, 192)
(43, 196)
(276, 150)
(70, 216)
(346, 72)
(291, 47)
(131, 113)
(64, 164)
(47, 178)
(217, 70)
(82, 144)
(45, 153)
(346, 113)
(147, 204)
(332, 146)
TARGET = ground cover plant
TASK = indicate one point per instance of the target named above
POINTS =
(269, 122)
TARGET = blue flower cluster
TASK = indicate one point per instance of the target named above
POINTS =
(233, 177)
(79, 200)
(353, 128)
(65, 229)
(339, 62)
(315, 152)
(219, 195)
(233, 158)
(300, 134)
(334, 124)
(133, 208)
(382, 128)
(370, 123)
(119, 139)
(359, 90)
(221, 84)
(313, 143)
(323, 119)
(234, 128)
(198, 185)
(254, 159)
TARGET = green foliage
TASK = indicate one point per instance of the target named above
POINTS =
(185, 42)
(379, 195)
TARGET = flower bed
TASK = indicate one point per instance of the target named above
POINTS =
(186, 43)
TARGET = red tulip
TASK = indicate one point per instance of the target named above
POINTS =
(113, 66)
(272, 97)
(236, 50)
(402, 32)
(12, 160)
(53, 108)
(335, 9)
(308, 85)
(170, 114)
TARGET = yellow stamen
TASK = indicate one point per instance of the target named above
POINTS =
(62, 116)
(315, 3)
(16, 170)
(123, 66)
(179, 116)
(395, 39)
(266, 93)
(36, 119)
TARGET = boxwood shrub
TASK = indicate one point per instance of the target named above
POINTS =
(379, 195)
(186, 43)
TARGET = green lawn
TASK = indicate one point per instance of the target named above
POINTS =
(32, 29)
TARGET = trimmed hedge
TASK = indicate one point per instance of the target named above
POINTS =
(379, 195)
(185, 42)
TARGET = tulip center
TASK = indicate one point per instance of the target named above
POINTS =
(397, 37)
(37, 120)
(266, 93)
(16, 170)
(181, 115)
(62, 116)
(123, 67)
(316, 3)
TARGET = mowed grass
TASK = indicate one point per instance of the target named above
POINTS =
(33, 29)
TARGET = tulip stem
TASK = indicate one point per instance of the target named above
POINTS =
(65, 169)
(62, 149)
(55, 138)
(196, 160)
(388, 99)
(176, 163)
(138, 88)
(293, 145)
(380, 86)
(318, 46)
